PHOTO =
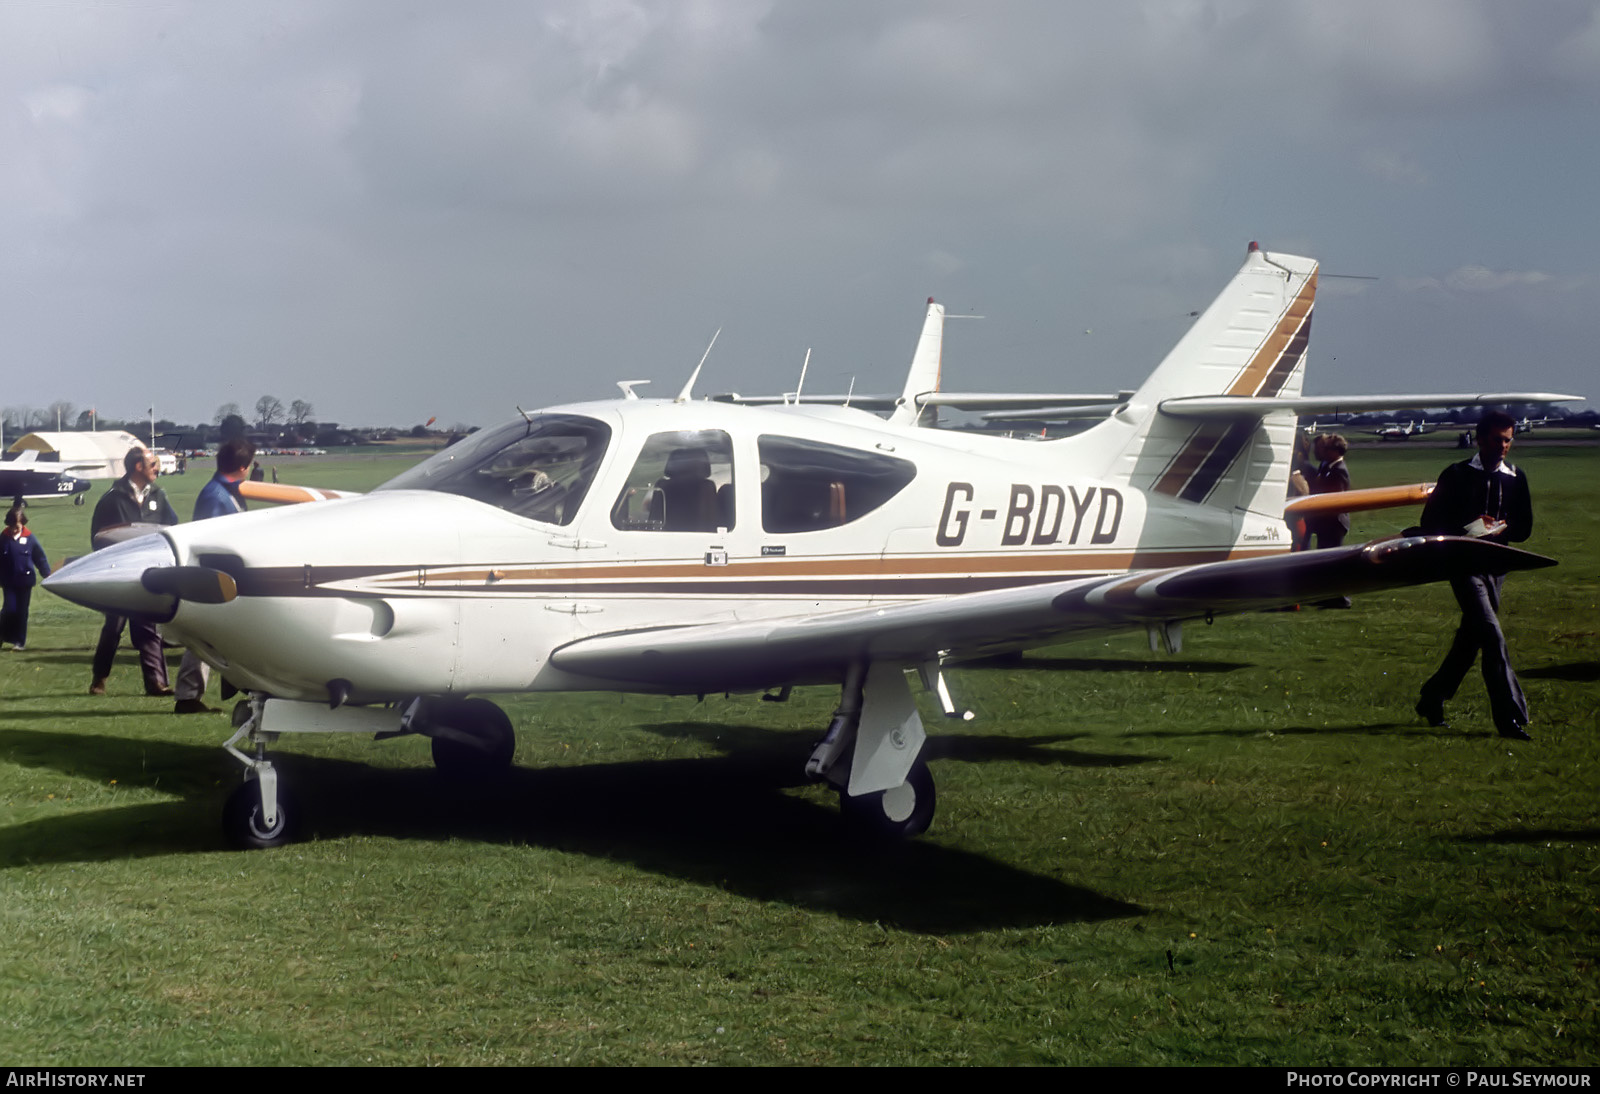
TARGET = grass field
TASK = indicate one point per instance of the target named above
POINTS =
(1251, 852)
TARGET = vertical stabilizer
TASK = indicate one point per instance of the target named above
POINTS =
(925, 364)
(1251, 341)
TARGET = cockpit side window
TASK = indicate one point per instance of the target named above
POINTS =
(682, 482)
(807, 486)
(539, 468)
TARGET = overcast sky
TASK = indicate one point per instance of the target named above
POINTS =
(401, 210)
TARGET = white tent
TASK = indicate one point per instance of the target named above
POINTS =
(94, 455)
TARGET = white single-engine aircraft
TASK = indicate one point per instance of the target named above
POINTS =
(683, 547)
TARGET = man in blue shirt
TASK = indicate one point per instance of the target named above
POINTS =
(218, 498)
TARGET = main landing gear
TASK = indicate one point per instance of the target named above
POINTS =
(872, 752)
(472, 739)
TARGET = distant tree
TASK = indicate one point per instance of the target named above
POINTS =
(60, 414)
(225, 411)
(299, 411)
(86, 419)
(231, 426)
(268, 410)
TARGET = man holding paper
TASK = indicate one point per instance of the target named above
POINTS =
(1487, 498)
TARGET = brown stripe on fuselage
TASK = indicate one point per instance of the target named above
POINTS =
(866, 576)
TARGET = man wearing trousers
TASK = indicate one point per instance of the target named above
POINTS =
(218, 498)
(1484, 497)
(133, 499)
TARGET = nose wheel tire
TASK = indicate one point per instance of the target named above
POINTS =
(243, 823)
(901, 812)
(475, 740)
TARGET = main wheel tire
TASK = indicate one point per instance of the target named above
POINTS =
(898, 813)
(493, 742)
(243, 824)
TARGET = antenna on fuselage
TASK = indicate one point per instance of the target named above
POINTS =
(525, 415)
(851, 392)
(683, 396)
(802, 381)
(627, 387)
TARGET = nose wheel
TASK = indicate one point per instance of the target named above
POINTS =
(244, 819)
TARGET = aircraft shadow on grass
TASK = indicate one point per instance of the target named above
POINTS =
(720, 821)
(1031, 662)
(961, 747)
(1537, 835)
(1580, 672)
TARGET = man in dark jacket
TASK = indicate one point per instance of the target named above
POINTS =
(1331, 476)
(134, 498)
(1487, 498)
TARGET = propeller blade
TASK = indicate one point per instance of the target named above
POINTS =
(199, 584)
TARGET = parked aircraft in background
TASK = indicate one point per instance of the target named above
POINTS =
(1401, 432)
(24, 479)
(690, 547)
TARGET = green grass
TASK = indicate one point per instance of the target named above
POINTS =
(1250, 852)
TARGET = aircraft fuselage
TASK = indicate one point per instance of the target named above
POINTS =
(426, 591)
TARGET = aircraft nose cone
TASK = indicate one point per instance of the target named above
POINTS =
(110, 580)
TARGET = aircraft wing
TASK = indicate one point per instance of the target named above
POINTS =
(817, 648)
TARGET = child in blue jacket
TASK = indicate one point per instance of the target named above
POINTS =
(22, 564)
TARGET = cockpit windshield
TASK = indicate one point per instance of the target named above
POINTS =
(539, 468)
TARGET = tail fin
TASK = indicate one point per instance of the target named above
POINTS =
(925, 364)
(1251, 341)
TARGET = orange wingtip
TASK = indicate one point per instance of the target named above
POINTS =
(285, 494)
(1356, 501)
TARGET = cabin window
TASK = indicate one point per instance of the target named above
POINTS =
(539, 468)
(682, 482)
(807, 486)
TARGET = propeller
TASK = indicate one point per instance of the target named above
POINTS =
(199, 584)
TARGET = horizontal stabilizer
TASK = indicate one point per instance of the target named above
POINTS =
(1241, 406)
